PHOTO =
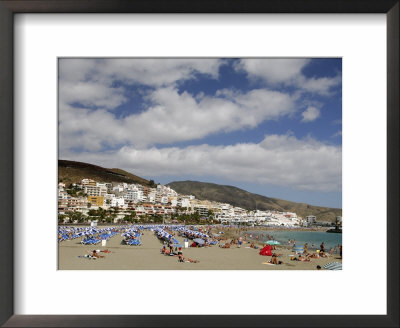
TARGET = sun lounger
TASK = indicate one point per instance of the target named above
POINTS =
(333, 266)
(133, 242)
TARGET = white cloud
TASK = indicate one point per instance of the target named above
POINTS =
(282, 160)
(310, 114)
(172, 117)
(91, 94)
(287, 72)
(273, 71)
(337, 134)
(91, 82)
(98, 86)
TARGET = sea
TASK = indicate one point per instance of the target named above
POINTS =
(330, 240)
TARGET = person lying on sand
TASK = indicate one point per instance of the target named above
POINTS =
(253, 246)
(227, 245)
(93, 255)
(96, 254)
(304, 258)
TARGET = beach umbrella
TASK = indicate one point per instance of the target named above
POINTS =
(333, 266)
(272, 242)
(199, 241)
(298, 249)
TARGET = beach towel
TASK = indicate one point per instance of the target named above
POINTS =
(266, 251)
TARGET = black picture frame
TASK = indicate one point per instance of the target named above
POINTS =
(10, 7)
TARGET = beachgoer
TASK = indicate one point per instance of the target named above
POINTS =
(274, 259)
(227, 245)
(304, 258)
(322, 247)
(319, 267)
(95, 254)
(340, 251)
(306, 248)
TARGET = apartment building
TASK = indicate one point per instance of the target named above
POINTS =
(88, 182)
(96, 200)
(95, 190)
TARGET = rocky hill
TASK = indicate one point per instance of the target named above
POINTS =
(74, 172)
(250, 201)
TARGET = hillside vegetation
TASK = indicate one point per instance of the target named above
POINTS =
(74, 172)
(250, 201)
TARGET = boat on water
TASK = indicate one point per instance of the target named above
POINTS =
(337, 228)
(334, 230)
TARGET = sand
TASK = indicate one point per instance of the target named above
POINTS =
(148, 257)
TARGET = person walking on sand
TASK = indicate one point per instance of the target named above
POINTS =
(322, 247)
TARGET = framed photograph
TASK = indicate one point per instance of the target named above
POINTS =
(199, 155)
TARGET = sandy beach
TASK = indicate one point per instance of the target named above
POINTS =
(148, 257)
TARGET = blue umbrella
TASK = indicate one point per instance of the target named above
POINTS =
(298, 249)
(199, 241)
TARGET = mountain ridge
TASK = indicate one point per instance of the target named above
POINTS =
(250, 201)
(74, 172)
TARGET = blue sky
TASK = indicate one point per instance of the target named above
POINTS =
(269, 126)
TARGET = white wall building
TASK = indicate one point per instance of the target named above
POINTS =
(135, 196)
(117, 202)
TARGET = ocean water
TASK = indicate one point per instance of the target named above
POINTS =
(302, 237)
